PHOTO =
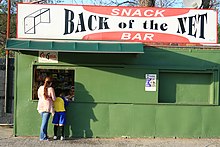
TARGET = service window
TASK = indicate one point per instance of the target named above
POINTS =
(198, 87)
(62, 78)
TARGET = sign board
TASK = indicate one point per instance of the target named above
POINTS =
(138, 24)
(151, 82)
(48, 57)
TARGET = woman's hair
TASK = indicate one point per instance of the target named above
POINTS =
(47, 83)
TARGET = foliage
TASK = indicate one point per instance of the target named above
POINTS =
(167, 3)
(157, 3)
(3, 24)
(4, 5)
(3, 31)
(218, 33)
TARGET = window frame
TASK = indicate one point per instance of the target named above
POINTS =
(49, 67)
(215, 84)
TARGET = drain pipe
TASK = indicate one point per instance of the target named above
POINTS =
(7, 56)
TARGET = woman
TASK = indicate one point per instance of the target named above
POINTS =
(46, 97)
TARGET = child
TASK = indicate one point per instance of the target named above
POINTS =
(59, 118)
(70, 95)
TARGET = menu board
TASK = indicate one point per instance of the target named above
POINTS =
(63, 79)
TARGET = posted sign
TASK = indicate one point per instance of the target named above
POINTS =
(151, 80)
(139, 24)
(48, 57)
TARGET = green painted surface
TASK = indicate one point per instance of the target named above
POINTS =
(143, 121)
(186, 88)
(113, 85)
(111, 100)
(120, 120)
(178, 121)
(210, 121)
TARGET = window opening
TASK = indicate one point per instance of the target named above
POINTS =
(186, 88)
(62, 78)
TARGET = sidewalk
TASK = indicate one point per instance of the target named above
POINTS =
(6, 131)
(7, 140)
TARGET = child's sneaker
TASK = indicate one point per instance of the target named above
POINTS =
(61, 138)
(55, 138)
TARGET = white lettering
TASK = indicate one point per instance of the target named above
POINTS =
(137, 13)
(125, 12)
(145, 13)
(126, 36)
(148, 36)
(115, 11)
(159, 12)
(137, 36)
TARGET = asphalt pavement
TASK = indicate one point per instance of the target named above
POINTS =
(8, 140)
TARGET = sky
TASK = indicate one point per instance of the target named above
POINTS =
(91, 1)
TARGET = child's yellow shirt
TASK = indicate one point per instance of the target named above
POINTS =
(59, 105)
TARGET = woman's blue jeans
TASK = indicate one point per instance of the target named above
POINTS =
(43, 129)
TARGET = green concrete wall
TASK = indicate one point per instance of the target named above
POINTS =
(111, 100)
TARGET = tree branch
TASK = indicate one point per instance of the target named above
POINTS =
(126, 2)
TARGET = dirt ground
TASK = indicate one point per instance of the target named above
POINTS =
(8, 140)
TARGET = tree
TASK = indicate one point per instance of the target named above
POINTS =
(167, 3)
(218, 33)
(3, 24)
(149, 3)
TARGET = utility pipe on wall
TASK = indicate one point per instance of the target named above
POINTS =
(7, 55)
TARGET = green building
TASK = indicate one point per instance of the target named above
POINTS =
(121, 89)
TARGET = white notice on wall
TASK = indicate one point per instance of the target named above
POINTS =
(150, 84)
(48, 57)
